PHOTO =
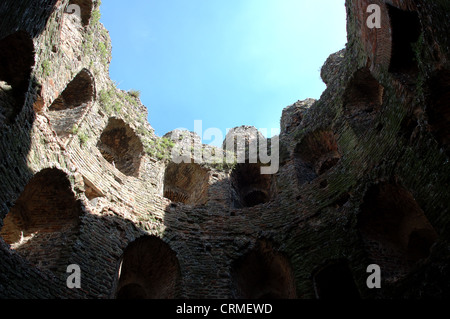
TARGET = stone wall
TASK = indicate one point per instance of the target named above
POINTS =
(363, 176)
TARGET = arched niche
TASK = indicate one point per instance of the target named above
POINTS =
(405, 31)
(72, 104)
(389, 48)
(43, 224)
(149, 270)
(395, 231)
(16, 64)
(362, 99)
(186, 183)
(316, 154)
(263, 273)
(249, 186)
(121, 147)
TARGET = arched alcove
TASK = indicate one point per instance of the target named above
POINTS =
(263, 273)
(250, 187)
(335, 281)
(362, 99)
(121, 147)
(72, 104)
(16, 64)
(44, 222)
(395, 230)
(86, 7)
(437, 107)
(149, 270)
(316, 154)
(186, 183)
(405, 31)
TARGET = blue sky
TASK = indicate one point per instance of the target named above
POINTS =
(225, 62)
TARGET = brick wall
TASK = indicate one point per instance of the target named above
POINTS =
(208, 247)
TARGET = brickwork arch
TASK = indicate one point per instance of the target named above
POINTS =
(186, 183)
(316, 154)
(362, 99)
(249, 186)
(263, 273)
(121, 147)
(16, 63)
(44, 222)
(149, 270)
(389, 48)
(69, 108)
(394, 229)
(405, 29)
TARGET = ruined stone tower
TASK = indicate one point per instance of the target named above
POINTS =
(364, 173)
